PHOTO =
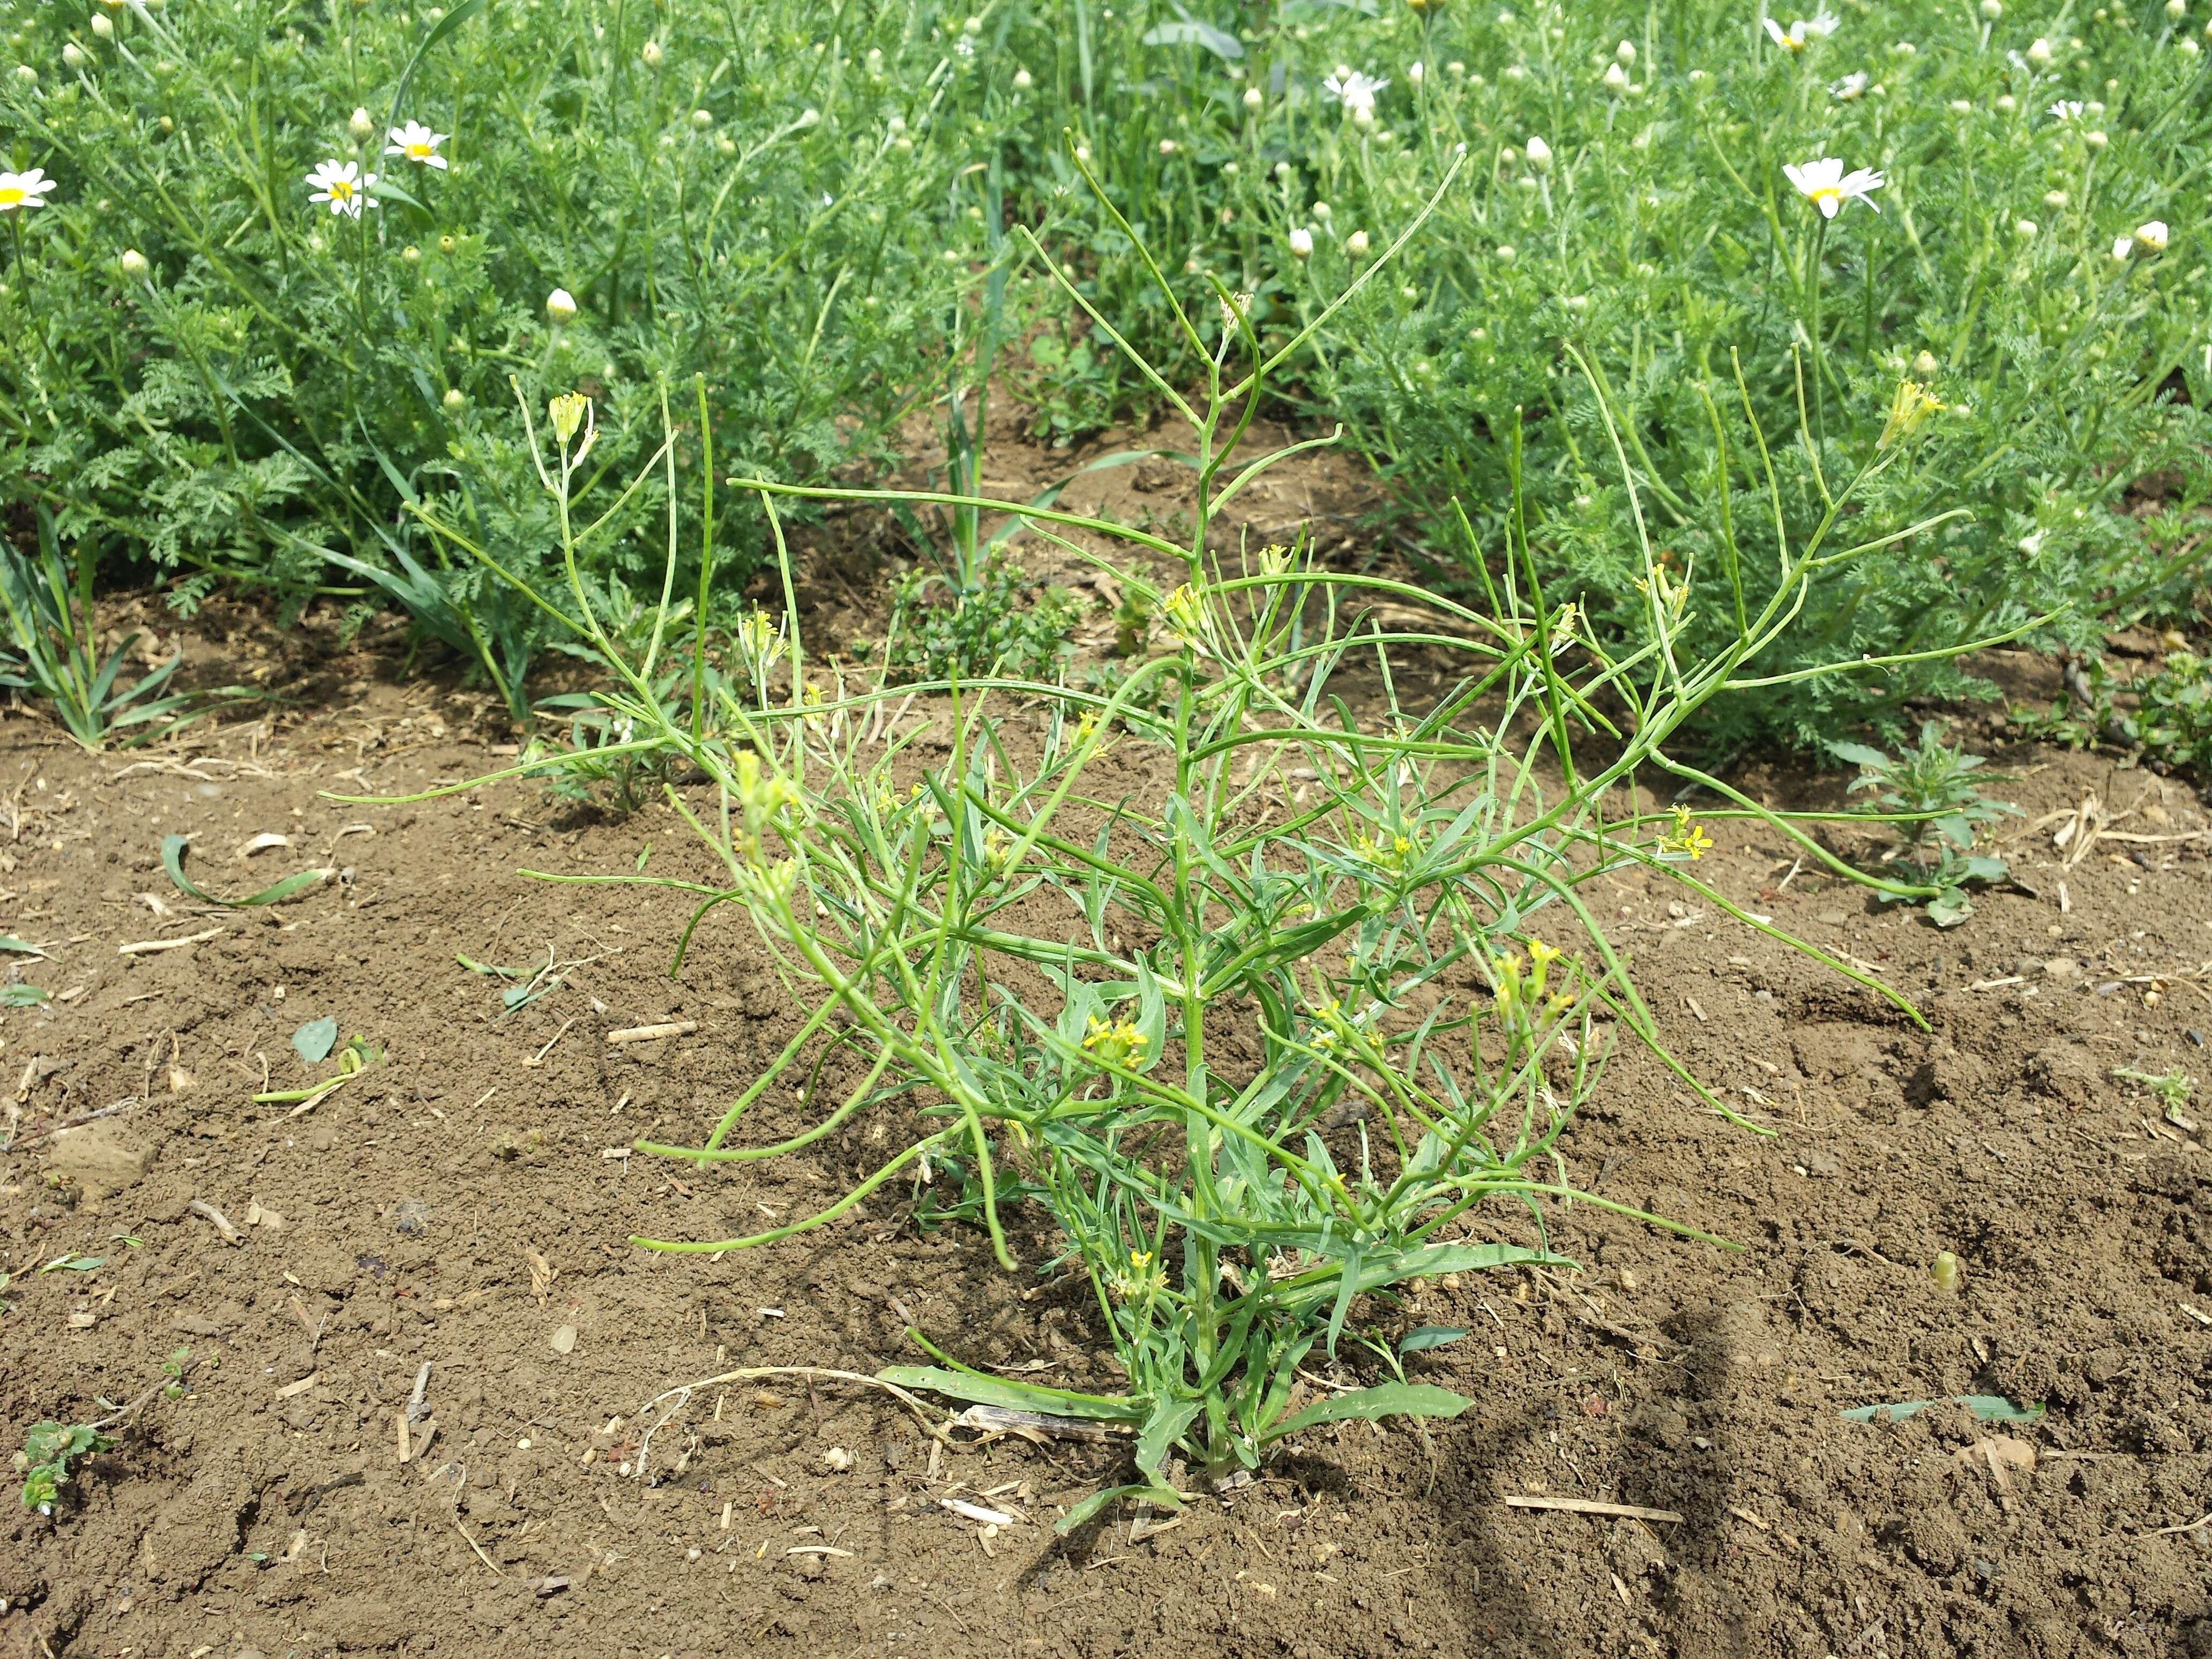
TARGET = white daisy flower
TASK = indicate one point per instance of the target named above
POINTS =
(2066, 109)
(1822, 24)
(1851, 88)
(342, 186)
(1825, 185)
(2122, 247)
(1355, 91)
(417, 144)
(24, 190)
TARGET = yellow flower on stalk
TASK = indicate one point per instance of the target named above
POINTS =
(1913, 404)
(1687, 836)
(1187, 615)
(1560, 1002)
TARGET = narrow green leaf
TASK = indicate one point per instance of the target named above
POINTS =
(21, 947)
(1426, 1337)
(1015, 1396)
(173, 848)
(1091, 1505)
(1385, 1400)
(1162, 1430)
(1986, 1408)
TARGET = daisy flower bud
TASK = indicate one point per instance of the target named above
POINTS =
(2151, 237)
(1992, 9)
(73, 54)
(2054, 198)
(1302, 243)
(103, 26)
(702, 119)
(410, 255)
(2039, 52)
(1625, 51)
(566, 413)
(1168, 146)
(455, 400)
(2176, 8)
(2122, 247)
(972, 27)
(653, 54)
(1356, 244)
(2025, 230)
(1083, 153)
(1538, 153)
(2095, 139)
(560, 305)
(1414, 72)
(26, 75)
(1254, 98)
(135, 265)
(1023, 79)
(1322, 210)
(2006, 103)
(363, 126)
(1925, 365)
(1616, 78)
(1507, 253)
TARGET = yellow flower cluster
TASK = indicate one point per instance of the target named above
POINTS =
(1117, 1042)
(1687, 836)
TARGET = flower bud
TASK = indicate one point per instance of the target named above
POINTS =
(1355, 245)
(1992, 9)
(561, 304)
(1024, 80)
(1254, 99)
(363, 126)
(566, 413)
(103, 26)
(653, 54)
(1925, 365)
(2177, 9)
(455, 400)
(1302, 242)
(972, 27)
(26, 75)
(702, 119)
(1168, 147)
(1414, 72)
(1625, 51)
(2039, 52)
(2122, 247)
(1507, 253)
(1616, 78)
(73, 54)
(2151, 237)
(2025, 230)
(135, 265)
(2007, 103)
(410, 255)
(1538, 153)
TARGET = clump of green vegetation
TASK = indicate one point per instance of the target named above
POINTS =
(1929, 791)
(1258, 1039)
(993, 629)
(2174, 717)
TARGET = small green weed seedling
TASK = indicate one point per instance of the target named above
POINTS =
(1258, 982)
(48, 1451)
(2172, 1088)
(1931, 792)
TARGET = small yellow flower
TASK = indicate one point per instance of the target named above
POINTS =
(1687, 836)
(1913, 404)
(1541, 954)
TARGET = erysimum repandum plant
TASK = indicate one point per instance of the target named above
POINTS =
(1275, 1029)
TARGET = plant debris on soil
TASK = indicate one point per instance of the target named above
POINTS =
(426, 1402)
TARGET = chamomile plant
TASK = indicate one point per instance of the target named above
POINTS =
(1258, 985)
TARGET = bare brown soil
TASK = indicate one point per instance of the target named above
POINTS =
(465, 1205)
